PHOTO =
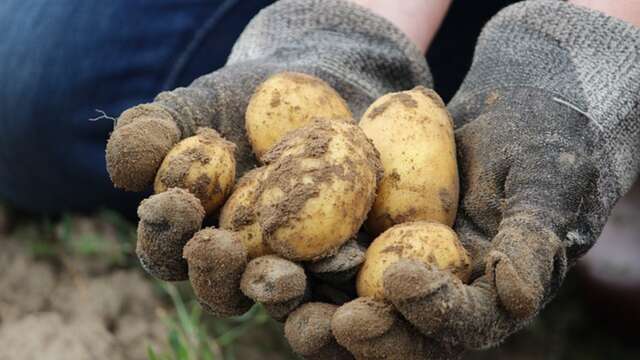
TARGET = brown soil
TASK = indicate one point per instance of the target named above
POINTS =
(54, 311)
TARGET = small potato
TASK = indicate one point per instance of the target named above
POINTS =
(203, 164)
(413, 132)
(288, 101)
(320, 186)
(239, 214)
(432, 243)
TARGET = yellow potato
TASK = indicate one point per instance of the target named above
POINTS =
(238, 213)
(413, 132)
(429, 242)
(319, 189)
(203, 164)
(288, 101)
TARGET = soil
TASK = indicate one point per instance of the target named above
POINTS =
(69, 310)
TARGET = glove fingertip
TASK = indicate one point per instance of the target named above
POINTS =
(138, 145)
(515, 295)
(216, 261)
(308, 330)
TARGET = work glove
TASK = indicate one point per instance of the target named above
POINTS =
(548, 138)
(359, 54)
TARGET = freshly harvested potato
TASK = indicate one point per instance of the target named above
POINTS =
(203, 164)
(429, 242)
(413, 132)
(288, 101)
(318, 190)
(238, 213)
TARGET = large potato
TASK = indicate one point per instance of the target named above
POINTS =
(288, 101)
(238, 213)
(203, 164)
(429, 242)
(320, 186)
(413, 132)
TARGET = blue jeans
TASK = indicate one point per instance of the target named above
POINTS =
(61, 60)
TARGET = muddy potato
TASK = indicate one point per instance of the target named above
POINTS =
(432, 243)
(288, 101)
(238, 213)
(203, 164)
(319, 188)
(413, 132)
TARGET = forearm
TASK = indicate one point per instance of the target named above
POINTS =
(627, 10)
(418, 19)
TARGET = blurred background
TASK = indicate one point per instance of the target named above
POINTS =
(70, 285)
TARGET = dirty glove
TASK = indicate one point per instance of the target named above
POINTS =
(548, 137)
(359, 54)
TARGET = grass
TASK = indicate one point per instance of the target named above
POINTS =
(191, 337)
(105, 236)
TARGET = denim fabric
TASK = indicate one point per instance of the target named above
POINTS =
(60, 60)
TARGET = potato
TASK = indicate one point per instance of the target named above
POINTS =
(238, 213)
(319, 189)
(413, 132)
(288, 101)
(203, 164)
(429, 242)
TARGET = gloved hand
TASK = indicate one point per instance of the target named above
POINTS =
(548, 136)
(359, 54)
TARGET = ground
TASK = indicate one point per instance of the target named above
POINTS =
(70, 288)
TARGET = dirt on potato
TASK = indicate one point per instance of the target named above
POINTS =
(292, 157)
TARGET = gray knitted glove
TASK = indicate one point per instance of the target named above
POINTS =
(548, 136)
(359, 54)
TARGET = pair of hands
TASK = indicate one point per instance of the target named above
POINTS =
(539, 171)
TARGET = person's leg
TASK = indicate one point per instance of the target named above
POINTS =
(64, 59)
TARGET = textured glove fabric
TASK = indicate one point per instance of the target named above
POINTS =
(577, 57)
(548, 138)
(359, 54)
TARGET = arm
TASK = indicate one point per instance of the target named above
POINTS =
(418, 19)
(627, 10)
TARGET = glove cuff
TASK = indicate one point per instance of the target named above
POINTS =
(359, 53)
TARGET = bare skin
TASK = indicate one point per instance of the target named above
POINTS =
(627, 10)
(418, 19)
